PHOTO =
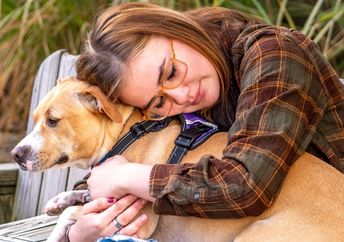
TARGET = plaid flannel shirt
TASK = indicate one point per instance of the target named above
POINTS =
(290, 99)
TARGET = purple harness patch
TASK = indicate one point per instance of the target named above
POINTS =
(195, 130)
(192, 119)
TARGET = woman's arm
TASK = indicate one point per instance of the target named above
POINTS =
(116, 177)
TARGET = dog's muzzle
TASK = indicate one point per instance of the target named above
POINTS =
(20, 155)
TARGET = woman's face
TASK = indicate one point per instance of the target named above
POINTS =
(200, 89)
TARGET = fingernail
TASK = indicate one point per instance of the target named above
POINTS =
(111, 200)
(86, 198)
(143, 217)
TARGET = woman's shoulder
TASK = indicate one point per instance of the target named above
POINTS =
(254, 32)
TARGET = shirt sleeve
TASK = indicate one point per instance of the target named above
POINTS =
(280, 104)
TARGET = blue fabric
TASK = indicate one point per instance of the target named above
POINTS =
(123, 238)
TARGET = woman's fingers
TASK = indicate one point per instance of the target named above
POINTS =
(126, 217)
(117, 208)
(131, 212)
(97, 205)
(134, 227)
(123, 212)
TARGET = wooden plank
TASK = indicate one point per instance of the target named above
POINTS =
(7, 190)
(8, 179)
(37, 235)
(19, 222)
(8, 174)
(33, 229)
(6, 203)
(26, 224)
(7, 239)
(75, 175)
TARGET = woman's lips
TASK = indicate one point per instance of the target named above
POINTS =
(199, 96)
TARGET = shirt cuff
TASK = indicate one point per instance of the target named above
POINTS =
(162, 182)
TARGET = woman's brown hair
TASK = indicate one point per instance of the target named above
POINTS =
(119, 33)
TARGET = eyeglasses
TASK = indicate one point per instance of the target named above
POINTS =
(173, 75)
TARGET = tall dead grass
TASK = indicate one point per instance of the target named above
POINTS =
(29, 31)
(32, 29)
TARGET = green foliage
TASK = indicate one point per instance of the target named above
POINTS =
(32, 29)
(29, 31)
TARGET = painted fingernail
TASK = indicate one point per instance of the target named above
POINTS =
(111, 200)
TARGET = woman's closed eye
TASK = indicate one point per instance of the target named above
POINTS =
(172, 73)
(159, 103)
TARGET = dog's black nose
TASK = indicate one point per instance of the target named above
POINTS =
(20, 153)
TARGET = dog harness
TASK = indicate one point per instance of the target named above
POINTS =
(195, 130)
(136, 132)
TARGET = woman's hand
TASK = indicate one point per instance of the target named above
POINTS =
(117, 177)
(98, 218)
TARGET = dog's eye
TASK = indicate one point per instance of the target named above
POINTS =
(52, 122)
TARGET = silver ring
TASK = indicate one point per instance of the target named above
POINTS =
(117, 224)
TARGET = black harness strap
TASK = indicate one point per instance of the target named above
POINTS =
(136, 132)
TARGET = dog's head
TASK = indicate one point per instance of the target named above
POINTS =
(72, 127)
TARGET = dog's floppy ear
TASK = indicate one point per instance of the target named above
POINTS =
(94, 98)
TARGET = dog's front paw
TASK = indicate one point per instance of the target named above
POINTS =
(60, 202)
(67, 218)
(57, 204)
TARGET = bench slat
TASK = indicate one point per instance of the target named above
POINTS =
(7, 239)
(33, 229)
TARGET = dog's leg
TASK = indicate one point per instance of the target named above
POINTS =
(66, 219)
(60, 202)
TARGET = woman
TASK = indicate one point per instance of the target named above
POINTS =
(270, 87)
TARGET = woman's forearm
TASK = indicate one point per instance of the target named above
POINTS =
(137, 181)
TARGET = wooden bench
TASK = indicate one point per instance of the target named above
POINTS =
(34, 189)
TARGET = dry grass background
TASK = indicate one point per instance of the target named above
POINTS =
(32, 29)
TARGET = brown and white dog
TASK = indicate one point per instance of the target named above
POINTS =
(76, 125)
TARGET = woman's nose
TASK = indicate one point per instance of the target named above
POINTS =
(178, 94)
